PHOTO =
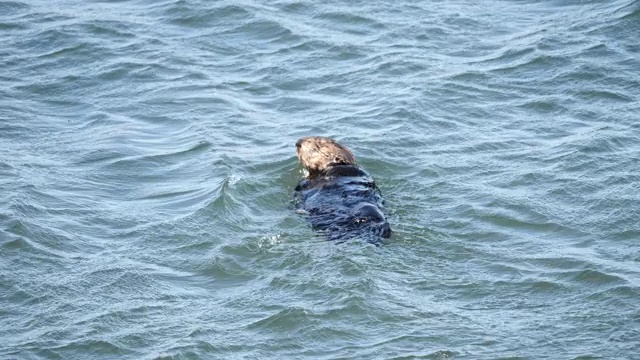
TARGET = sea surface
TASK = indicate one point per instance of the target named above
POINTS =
(147, 169)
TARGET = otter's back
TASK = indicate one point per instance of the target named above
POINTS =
(345, 202)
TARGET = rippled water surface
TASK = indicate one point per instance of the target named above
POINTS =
(147, 167)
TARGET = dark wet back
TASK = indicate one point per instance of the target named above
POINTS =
(344, 202)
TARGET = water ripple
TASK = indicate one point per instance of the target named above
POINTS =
(147, 168)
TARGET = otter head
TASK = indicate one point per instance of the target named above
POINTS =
(316, 154)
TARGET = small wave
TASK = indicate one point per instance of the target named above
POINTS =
(547, 106)
(508, 55)
(102, 156)
(63, 51)
(13, 8)
(287, 319)
(261, 30)
(602, 141)
(50, 244)
(160, 158)
(351, 23)
(225, 200)
(88, 347)
(604, 95)
(634, 14)
(188, 16)
(538, 63)
(618, 294)
(547, 287)
(112, 31)
(591, 278)
(11, 26)
(226, 268)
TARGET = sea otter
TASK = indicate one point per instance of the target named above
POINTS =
(339, 197)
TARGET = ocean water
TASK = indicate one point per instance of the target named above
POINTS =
(147, 166)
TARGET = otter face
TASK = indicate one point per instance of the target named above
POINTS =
(317, 153)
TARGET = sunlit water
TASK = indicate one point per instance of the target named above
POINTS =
(147, 167)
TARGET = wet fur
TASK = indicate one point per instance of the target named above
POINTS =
(317, 154)
(338, 196)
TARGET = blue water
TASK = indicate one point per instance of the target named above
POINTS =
(147, 166)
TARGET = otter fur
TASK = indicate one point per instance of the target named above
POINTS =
(338, 196)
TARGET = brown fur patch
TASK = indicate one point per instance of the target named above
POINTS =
(317, 153)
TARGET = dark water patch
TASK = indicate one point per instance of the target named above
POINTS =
(583, 74)
(16, 244)
(627, 234)
(260, 30)
(94, 347)
(10, 26)
(473, 76)
(591, 278)
(540, 63)
(45, 18)
(351, 23)
(602, 142)
(617, 295)
(633, 12)
(288, 319)
(545, 106)
(298, 7)
(190, 16)
(227, 269)
(109, 30)
(43, 242)
(65, 51)
(547, 288)
(13, 8)
(399, 344)
(137, 72)
(602, 95)
(106, 156)
(48, 40)
(508, 56)
(400, 68)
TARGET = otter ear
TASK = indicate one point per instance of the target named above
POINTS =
(338, 160)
